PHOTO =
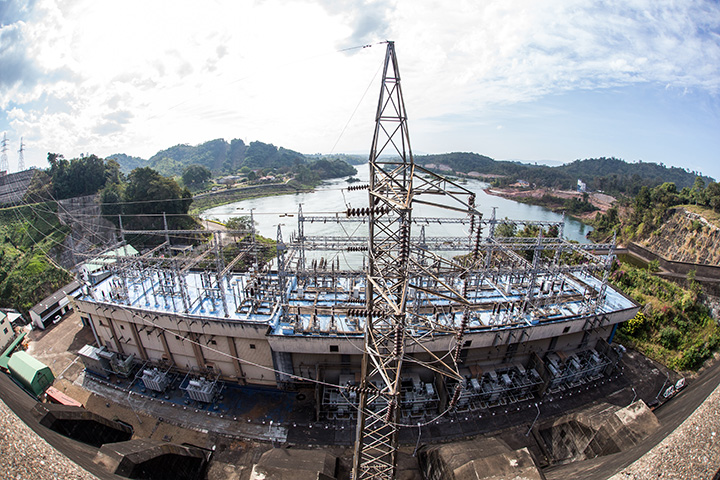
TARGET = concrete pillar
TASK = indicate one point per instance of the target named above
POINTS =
(114, 336)
(236, 362)
(163, 340)
(138, 341)
(197, 350)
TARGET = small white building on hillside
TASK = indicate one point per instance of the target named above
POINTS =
(52, 308)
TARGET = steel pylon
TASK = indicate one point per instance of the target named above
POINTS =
(394, 266)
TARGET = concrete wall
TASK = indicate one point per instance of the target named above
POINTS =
(683, 268)
(89, 228)
(193, 343)
(188, 343)
(14, 185)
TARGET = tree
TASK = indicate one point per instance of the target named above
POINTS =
(112, 172)
(148, 192)
(712, 196)
(79, 176)
(143, 199)
(239, 223)
(195, 175)
(505, 229)
(697, 193)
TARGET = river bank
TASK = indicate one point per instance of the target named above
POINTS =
(223, 197)
(554, 200)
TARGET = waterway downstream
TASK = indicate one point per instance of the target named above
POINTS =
(332, 198)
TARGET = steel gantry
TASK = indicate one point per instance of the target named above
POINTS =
(391, 331)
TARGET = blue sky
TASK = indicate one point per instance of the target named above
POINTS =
(549, 81)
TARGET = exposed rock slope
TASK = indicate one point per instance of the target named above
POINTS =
(686, 237)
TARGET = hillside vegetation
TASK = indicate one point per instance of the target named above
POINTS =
(673, 327)
(222, 157)
(27, 275)
(611, 175)
(647, 215)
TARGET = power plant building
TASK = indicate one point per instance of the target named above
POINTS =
(538, 313)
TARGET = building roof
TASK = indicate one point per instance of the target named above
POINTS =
(26, 366)
(110, 257)
(55, 297)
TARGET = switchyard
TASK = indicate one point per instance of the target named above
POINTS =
(435, 310)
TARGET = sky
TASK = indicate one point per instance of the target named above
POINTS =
(536, 81)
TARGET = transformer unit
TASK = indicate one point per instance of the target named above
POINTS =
(120, 366)
(201, 389)
(154, 379)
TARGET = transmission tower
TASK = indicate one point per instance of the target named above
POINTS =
(394, 267)
(3, 155)
(21, 156)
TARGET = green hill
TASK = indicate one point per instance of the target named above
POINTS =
(612, 175)
(128, 163)
(217, 155)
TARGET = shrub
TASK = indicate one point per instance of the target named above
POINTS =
(669, 338)
(693, 357)
(635, 325)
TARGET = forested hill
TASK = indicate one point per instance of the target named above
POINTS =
(217, 155)
(608, 174)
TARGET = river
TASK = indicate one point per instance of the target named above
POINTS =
(332, 197)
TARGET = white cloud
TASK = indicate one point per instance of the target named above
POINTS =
(138, 76)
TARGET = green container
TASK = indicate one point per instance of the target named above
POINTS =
(30, 372)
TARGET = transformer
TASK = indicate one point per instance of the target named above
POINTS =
(154, 379)
(201, 389)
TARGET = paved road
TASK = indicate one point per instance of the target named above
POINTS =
(670, 415)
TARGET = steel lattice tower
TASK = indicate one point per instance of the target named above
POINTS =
(3, 154)
(21, 156)
(394, 265)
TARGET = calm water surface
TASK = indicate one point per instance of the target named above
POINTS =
(332, 197)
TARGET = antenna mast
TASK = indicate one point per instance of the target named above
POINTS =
(21, 156)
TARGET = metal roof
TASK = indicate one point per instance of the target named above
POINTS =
(55, 297)
(26, 366)
(109, 257)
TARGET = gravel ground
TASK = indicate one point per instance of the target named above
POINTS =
(25, 455)
(692, 451)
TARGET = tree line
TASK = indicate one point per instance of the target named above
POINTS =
(218, 156)
(651, 207)
(611, 175)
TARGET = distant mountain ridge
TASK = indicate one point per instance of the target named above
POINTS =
(607, 174)
(217, 155)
